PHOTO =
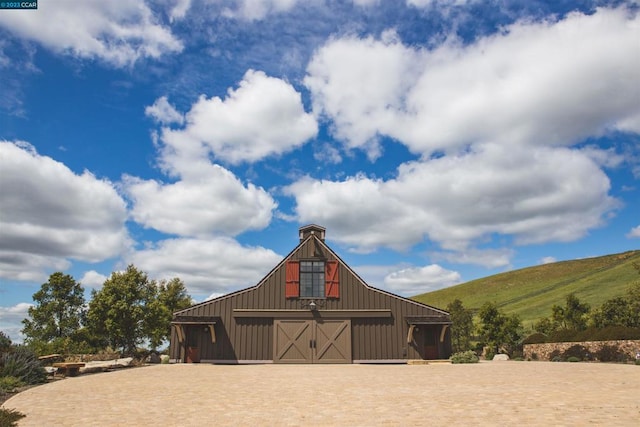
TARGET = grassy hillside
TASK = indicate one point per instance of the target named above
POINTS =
(530, 292)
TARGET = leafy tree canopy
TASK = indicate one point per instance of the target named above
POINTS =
(462, 326)
(58, 311)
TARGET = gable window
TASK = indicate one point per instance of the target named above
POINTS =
(312, 284)
(312, 279)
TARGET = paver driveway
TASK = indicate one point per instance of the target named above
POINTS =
(488, 393)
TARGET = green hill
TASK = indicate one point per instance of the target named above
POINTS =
(530, 292)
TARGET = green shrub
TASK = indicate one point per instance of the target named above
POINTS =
(489, 354)
(465, 357)
(638, 362)
(555, 356)
(10, 384)
(578, 351)
(22, 364)
(610, 353)
(573, 359)
(9, 417)
(535, 338)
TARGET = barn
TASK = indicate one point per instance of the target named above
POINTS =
(311, 308)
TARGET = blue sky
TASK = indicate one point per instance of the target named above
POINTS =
(437, 141)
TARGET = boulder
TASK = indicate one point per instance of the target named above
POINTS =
(501, 357)
(153, 358)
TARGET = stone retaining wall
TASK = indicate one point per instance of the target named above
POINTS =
(542, 351)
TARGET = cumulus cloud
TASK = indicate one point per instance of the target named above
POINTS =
(93, 279)
(418, 280)
(49, 214)
(11, 320)
(215, 203)
(119, 33)
(634, 233)
(547, 260)
(264, 116)
(163, 112)
(216, 265)
(535, 195)
(552, 83)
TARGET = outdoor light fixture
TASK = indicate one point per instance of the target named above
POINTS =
(312, 305)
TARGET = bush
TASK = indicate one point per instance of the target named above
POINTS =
(488, 355)
(610, 333)
(534, 356)
(573, 359)
(638, 362)
(577, 351)
(9, 384)
(535, 338)
(610, 353)
(22, 364)
(465, 357)
(9, 417)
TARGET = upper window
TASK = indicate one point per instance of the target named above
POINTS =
(312, 284)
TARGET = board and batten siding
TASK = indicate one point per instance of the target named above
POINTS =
(251, 339)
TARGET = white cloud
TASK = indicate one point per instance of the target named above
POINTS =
(326, 153)
(11, 320)
(547, 260)
(535, 195)
(49, 214)
(93, 279)
(263, 117)
(216, 265)
(214, 203)
(179, 10)
(552, 83)
(634, 233)
(117, 32)
(490, 258)
(254, 10)
(163, 112)
(418, 280)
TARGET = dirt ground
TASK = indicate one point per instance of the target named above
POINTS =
(488, 393)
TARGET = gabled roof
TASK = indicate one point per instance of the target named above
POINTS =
(321, 242)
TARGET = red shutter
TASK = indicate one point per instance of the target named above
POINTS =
(332, 280)
(292, 278)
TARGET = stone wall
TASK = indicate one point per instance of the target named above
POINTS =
(542, 351)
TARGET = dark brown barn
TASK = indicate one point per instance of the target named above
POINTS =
(311, 308)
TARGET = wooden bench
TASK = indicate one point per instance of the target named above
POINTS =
(68, 368)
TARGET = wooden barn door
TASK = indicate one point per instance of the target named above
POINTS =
(312, 341)
(332, 341)
(430, 342)
(193, 345)
(292, 341)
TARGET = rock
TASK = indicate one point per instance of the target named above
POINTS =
(501, 357)
(100, 366)
(164, 358)
(153, 358)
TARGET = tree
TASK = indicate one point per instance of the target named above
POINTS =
(57, 314)
(130, 308)
(462, 326)
(497, 330)
(573, 315)
(118, 310)
(5, 342)
(620, 311)
(169, 297)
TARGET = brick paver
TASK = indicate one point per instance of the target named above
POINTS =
(488, 393)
